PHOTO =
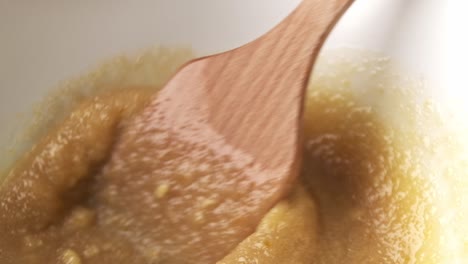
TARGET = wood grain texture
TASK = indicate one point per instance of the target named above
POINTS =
(243, 108)
(253, 96)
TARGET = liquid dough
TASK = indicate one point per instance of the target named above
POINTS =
(365, 195)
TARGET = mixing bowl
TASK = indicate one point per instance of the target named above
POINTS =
(423, 42)
(47, 42)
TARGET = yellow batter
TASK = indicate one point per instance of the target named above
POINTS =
(376, 187)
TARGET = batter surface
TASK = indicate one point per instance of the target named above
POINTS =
(368, 192)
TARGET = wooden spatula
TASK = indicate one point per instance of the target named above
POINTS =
(224, 140)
